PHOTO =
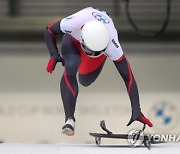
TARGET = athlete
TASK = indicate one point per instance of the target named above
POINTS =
(88, 38)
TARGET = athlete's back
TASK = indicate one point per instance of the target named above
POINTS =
(73, 24)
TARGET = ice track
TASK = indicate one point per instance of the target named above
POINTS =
(5, 148)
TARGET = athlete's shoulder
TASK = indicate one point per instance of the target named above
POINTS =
(76, 20)
(75, 16)
(81, 12)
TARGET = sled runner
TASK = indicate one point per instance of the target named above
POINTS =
(136, 136)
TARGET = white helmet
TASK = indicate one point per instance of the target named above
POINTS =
(95, 38)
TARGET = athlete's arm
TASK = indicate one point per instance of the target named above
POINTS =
(50, 34)
(124, 70)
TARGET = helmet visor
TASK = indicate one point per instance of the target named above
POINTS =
(90, 52)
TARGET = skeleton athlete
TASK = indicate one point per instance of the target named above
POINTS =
(88, 38)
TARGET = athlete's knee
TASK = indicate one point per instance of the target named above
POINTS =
(71, 67)
(70, 64)
(85, 81)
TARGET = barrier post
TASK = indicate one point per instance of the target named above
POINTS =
(14, 7)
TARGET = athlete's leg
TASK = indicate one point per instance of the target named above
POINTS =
(89, 68)
(68, 85)
(90, 77)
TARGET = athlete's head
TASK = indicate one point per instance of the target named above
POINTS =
(95, 38)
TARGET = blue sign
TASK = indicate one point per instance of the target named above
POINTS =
(164, 115)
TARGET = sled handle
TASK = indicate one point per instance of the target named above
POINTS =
(103, 126)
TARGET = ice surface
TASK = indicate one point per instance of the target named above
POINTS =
(6, 148)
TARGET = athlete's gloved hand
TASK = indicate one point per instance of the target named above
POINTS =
(142, 119)
(53, 61)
